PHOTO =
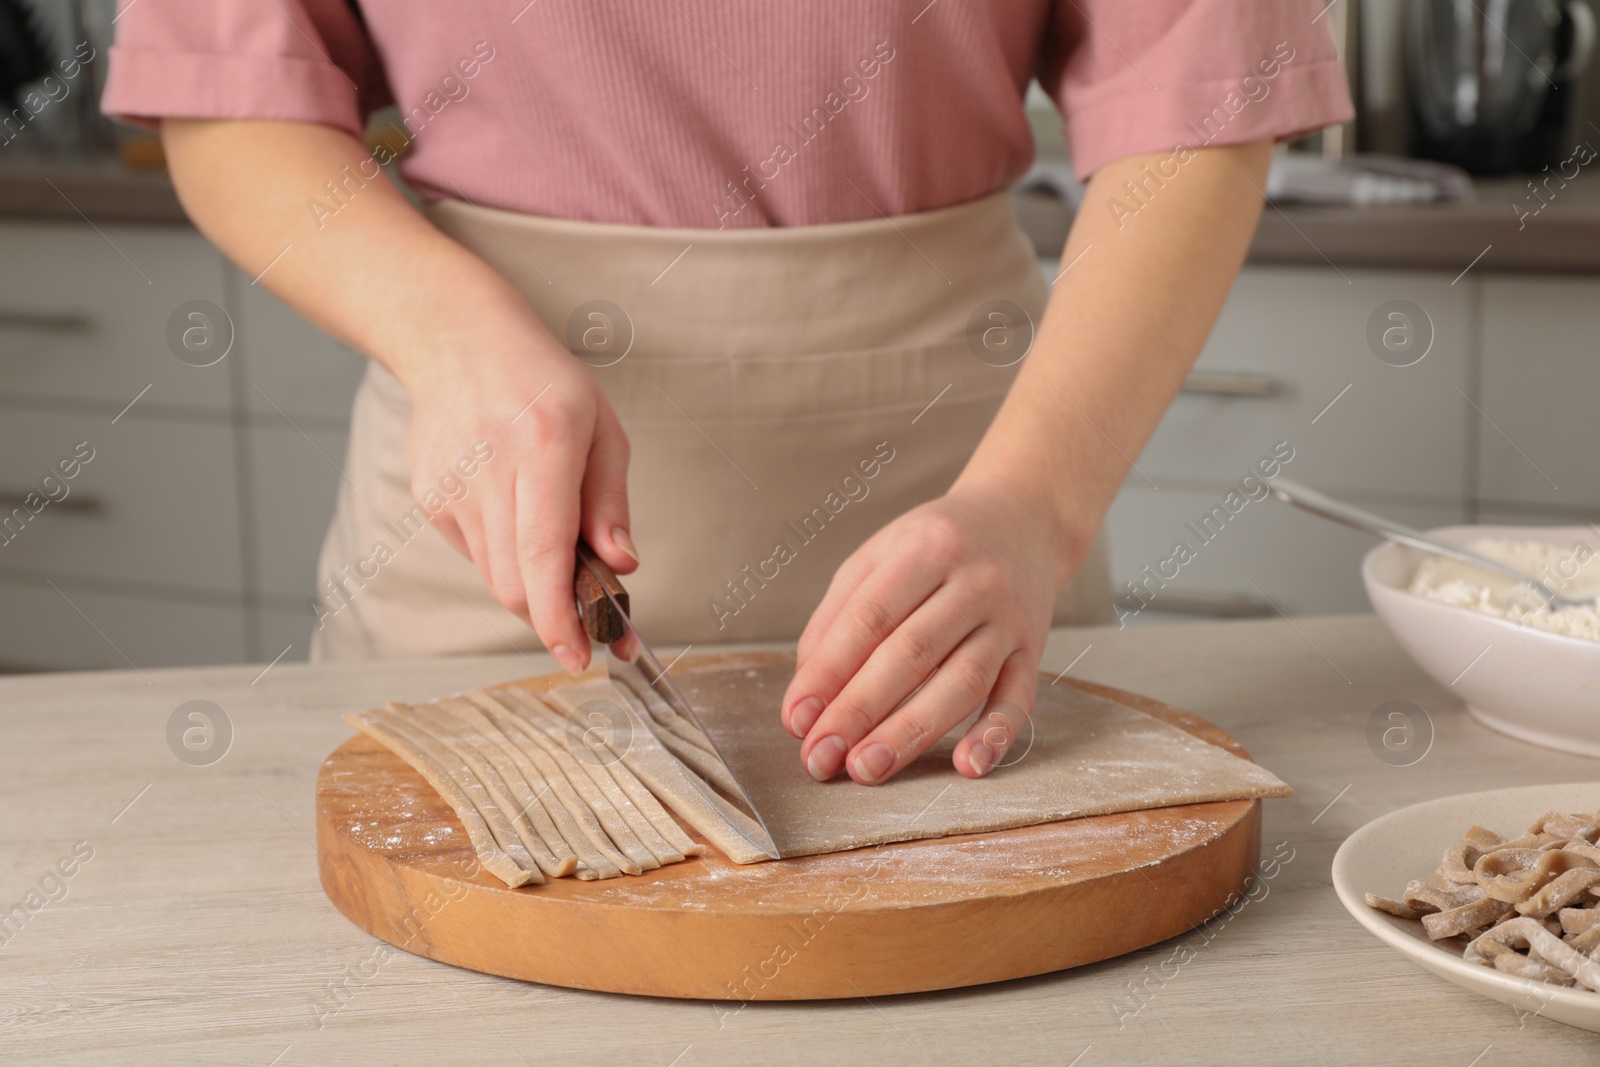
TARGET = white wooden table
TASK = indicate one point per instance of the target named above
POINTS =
(198, 933)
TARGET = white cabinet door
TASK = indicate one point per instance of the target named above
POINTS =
(1523, 516)
(282, 629)
(157, 504)
(1541, 393)
(42, 629)
(1292, 341)
(1270, 556)
(84, 313)
(296, 478)
(293, 368)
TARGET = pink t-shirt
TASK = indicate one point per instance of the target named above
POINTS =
(702, 113)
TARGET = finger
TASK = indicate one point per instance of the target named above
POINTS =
(992, 740)
(547, 537)
(876, 606)
(450, 530)
(840, 590)
(605, 495)
(498, 536)
(846, 580)
(466, 526)
(627, 646)
(905, 659)
(953, 693)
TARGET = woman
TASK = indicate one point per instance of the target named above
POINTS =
(776, 239)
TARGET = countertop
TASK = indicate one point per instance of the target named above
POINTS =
(1563, 237)
(1487, 234)
(197, 931)
(73, 189)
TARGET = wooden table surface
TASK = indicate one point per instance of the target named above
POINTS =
(196, 931)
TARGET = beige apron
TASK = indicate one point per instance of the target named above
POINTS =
(787, 392)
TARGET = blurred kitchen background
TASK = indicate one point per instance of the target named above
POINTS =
(191, 535)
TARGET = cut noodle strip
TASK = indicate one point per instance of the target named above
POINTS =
(1529, 906)
(535, 802)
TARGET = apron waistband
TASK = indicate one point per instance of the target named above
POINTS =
(779, 292)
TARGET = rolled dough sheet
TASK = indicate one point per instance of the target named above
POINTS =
(1088, 756)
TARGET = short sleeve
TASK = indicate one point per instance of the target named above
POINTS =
(1158, 74)
(299, 60)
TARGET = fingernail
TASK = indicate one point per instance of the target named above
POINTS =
(803, 716)
(620, 538)
(567, 658)
(981, 756)
(825, 758)
(874, 761)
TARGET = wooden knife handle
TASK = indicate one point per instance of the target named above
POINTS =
(600, 618)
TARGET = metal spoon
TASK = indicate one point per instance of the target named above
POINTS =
(1291, 492)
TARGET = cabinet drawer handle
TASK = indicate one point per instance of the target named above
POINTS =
(45, 321)
(1220, 605)
(17, 498)
(1231, 383)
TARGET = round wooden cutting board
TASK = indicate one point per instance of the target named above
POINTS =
(900, 918)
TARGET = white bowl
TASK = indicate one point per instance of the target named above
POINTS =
(1537, 686)
(1388, 852)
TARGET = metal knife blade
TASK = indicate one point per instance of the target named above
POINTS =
(662, 685)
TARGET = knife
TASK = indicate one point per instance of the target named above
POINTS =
(604, 604)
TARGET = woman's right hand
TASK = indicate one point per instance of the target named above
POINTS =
(475, 360)
(557, 466)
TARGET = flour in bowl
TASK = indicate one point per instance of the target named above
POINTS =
(1571, 570)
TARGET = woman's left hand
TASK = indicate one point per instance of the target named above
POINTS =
(947, 607)
(942, 610)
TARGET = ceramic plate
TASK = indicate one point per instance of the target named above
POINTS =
(1385, 854)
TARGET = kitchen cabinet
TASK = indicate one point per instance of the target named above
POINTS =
(1476, 431)
(294, 370)
(192, 536)
(95, 625)
(1541, 382)
(295, 472)
(286, 630)
(1289, 361)
(1290, 368)
(84, 314)
(299, 384)
(152, 500)
(1522, 516)
(1269, 558)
